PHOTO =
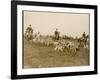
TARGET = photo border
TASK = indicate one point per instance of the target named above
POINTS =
(14, 56)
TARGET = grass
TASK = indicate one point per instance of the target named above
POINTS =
(40, 56)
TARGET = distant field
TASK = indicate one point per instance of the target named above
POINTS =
(39, 56)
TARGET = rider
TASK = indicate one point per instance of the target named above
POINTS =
(29, 30)
(57, 34)
(84, 35)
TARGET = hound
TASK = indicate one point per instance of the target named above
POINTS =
(59, 48)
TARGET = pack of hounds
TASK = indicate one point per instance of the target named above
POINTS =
(59, 45)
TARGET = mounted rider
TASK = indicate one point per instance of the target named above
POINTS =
(29, 33)
(57, 34)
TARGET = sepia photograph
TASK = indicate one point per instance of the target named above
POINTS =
(52, 39)
(55, 39)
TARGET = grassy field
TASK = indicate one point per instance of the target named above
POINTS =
(39, 56)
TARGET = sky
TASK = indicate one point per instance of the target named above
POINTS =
(70, 24)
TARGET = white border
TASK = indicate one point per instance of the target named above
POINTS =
(21, 71)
